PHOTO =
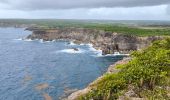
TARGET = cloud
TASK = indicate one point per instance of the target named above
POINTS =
(135, 13)
(73, 4)
(168, 9)
(4, 1)
(86, 9)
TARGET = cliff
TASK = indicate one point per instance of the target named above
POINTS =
(144, 76)
(108, 42)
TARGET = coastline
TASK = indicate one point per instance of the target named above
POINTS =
(108, 42)
(124, 44)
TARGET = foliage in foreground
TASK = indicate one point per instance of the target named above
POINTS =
(148, 73)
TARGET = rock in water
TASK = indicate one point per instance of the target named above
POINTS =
(41, 86)
(47, 97)
(75, 49)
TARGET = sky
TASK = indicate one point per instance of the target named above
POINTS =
(86, 9)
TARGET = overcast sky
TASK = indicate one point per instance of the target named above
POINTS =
(86, 9)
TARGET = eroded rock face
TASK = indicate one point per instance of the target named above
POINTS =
(106, 41)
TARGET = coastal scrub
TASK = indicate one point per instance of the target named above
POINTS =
(146, 76)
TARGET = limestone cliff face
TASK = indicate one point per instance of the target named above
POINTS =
(106, 41)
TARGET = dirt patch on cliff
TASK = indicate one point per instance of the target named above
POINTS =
(112, 68)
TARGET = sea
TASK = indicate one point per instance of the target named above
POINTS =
(46, 70)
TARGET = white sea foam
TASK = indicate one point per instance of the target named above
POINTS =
(83, 44)
(72, 43)
(20, 39)
(41, 40)
(92, 48)
(28, 40)
(23, 39)
(53, 41)
(119, 54)
(98, 53)
(116, 54)
(71, 51)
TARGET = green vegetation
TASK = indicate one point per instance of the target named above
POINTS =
(130, 30)
(139, 28)
(147, 74)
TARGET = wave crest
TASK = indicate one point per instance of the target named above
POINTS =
(71, 51)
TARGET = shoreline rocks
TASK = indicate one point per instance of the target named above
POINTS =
(75, 49)
(106, 41)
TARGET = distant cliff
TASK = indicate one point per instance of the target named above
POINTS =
(108, 42)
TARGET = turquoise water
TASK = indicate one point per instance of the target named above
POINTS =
(30, 69)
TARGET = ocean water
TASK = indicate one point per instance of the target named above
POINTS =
(37, 70)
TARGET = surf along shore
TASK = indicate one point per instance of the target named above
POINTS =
(107, 42)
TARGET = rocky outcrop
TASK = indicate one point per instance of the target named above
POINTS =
(108, 42)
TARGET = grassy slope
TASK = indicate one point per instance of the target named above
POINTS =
(131, 30)
(148, 73)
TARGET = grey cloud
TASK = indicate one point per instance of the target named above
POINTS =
(4, 1)
(72, 4)
(168, 10)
